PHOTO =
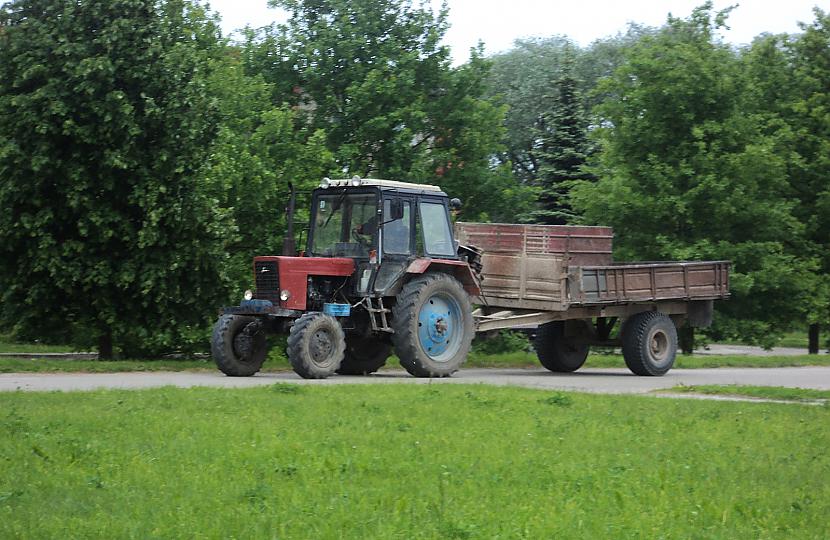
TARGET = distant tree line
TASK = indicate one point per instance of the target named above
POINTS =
(145, 158)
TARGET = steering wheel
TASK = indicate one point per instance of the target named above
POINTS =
(360, 239)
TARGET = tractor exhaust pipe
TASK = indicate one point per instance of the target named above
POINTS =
(289, 248)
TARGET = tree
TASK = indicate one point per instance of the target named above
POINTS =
(561, 150)
(810, 175)
(372, 75)
(258, 151)
(685, 173)
(107, 235)
(522, 78)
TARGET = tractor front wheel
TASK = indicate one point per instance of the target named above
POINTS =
(433, 325)
(316, 345)
(238, 345)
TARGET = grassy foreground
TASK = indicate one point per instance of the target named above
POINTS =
(765, 392)
(407, 462)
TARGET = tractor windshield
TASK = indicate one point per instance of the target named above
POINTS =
(344, 225)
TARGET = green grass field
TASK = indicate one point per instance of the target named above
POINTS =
(407, 462)
(765, 392)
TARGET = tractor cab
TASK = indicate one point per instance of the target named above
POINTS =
(383, 226)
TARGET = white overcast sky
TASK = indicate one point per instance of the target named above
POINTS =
(498, 23)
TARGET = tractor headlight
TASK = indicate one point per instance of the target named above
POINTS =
(248, 295)
(325, 183)
(356, 181)
(284, 295)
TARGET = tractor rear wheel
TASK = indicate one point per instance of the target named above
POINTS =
(649, 343)
(555, 352)
(238, 345)
(433, 325)
(316, 345)
(364, 355)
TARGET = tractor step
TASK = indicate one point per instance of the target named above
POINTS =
(377, 314)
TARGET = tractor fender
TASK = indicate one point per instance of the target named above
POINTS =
(458, 269)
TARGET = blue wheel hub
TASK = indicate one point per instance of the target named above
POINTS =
(438, 327)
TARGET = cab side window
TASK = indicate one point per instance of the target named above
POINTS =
(396, 234)
(436, 229)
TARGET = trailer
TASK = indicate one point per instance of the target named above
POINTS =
(562, 280)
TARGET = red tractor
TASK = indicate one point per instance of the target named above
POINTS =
(381, 270)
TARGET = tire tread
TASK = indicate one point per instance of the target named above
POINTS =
(406, 344)
(635, 332)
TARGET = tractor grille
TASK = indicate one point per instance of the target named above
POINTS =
(267, 281)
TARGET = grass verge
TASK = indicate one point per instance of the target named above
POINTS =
(525, 359)
(425, 461)
(765, 392)
(49, 365)
(7, 345)
(277, 362)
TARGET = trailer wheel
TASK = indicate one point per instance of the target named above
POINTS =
(433, 325)
(364, 355)
(555, 352)
(238, 345)
(316, 345)
(649, 343)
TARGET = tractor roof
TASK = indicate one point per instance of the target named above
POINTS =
(383, 184)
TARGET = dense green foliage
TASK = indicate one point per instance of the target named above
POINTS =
(703, 151)
(703, 178)
(373, 76)
(107, 235)
(144, 159)
(461, 462)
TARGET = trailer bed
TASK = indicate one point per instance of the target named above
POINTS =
(557, 268)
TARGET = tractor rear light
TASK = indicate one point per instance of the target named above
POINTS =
(285, 295)
(356, 181)
(249, 294)
(325, 183)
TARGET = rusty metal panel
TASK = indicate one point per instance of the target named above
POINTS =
(577, 245)
(559, 267)
(650, 282)
(523, 280)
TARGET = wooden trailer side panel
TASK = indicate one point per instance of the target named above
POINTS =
(558, 267)
(575, 245)
(524, 280)
(649, 282)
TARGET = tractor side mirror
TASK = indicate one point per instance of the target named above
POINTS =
(395, 209)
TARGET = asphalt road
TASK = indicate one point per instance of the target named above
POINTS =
(608, 381)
